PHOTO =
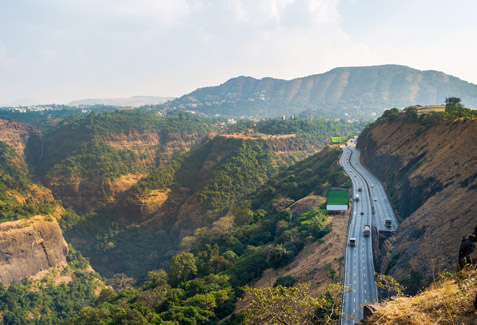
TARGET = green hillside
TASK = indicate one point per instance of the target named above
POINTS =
(19, 197)
(202, 283)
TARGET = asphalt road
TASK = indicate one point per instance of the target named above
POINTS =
(376, 208)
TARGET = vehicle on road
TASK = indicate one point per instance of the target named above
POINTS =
(356, 197)
(366, 230)
(352, 241)
(388, 223)
(360, 189)
(362, 213)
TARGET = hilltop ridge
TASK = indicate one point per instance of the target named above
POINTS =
(355, 92)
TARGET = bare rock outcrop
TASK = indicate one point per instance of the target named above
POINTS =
(30, 246)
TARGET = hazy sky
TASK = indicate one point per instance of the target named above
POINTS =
(55, 51)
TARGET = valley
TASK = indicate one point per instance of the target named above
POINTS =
(178, 214)
(134, 192)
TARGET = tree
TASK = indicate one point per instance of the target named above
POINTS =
(454, 106)
(453, 102)
(292, 305)
(121, 281)
(390, 286)
(183, 268)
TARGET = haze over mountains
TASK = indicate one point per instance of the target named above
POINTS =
(360, 92)
(135, 101)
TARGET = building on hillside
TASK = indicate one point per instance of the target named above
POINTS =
(337, 200)
(335, 140)
(421, 110)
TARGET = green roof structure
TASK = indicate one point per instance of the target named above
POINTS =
(335, 139)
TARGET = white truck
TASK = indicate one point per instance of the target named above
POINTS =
(356, 197)
(367, 230)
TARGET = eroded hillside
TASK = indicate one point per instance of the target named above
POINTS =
(88, 161)
(429, 168)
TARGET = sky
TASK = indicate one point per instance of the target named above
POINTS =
(56, 51)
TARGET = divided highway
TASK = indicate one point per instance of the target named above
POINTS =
(373, 208)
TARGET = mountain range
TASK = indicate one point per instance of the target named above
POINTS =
(356, 92)
(135, 101)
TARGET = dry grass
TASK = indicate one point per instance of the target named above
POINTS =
(447, 301)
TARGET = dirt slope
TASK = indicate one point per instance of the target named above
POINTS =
(430, 173)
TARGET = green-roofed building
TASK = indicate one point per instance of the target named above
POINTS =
(335, 140)
(337, 200)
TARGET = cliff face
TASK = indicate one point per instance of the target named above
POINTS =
(18, 135)
(150, 148)
(430, 173)
(30, 246)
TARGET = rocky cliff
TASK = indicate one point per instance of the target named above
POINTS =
(30, 246)
(430, 173)
(18, 135)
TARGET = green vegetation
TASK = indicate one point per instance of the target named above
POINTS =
(77, 145)
(309, 175)
(454, 110)
(306, 130)
(203, 282)
(14, 178)
(44, 301)
(292, 305)
(96, 160)
(47, 119)
(232, 183)
(239, 174)
(285, 281)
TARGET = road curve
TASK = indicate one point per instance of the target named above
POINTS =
(373, 208)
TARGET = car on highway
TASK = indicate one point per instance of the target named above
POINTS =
(352, 241)
(362, 213)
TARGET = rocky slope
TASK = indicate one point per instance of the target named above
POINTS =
(357, 91)
(30, 246)
(430, 173)
(18, 135)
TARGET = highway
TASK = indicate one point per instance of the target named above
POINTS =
(373, 208)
